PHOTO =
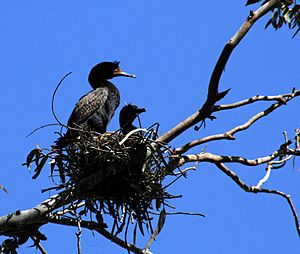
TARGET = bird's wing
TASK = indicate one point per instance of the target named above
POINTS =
(87, 105)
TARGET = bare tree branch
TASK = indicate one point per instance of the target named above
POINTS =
(38, 214)
(229, 134)
(288, 199)
(280, 98)
(284, 150)
(47, 211)
(233, 42)
(183, 213)
(95, 227)
(255, 190)
(265, 178)
(38, 245)
(213, 90)
(78, 235)
(213, 158)
(268, 171)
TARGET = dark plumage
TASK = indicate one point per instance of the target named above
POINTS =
(94, 110)
(127, 115)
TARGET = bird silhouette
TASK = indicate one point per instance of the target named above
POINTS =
(94, 110)
(127, 115)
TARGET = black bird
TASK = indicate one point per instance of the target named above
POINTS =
(94, 110)
(127, 115)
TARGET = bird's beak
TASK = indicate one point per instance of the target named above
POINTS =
(120, 72)
(141, 110)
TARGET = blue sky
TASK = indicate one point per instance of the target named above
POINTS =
(172, 47)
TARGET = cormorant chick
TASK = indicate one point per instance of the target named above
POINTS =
(127, 115)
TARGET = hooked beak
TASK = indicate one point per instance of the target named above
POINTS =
(141, 110)
(120, 72)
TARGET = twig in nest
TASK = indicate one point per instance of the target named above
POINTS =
(131, 133)
(160, 224)
(53, 97)
(128, 173)
(41, 127)
(183, 213)
(52, 109)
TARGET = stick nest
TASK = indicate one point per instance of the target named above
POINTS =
(123, 175)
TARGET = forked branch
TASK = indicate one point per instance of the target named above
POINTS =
(229, 135)
(45, 212)
(95, 227)
(254, 189)
(213, 94)
(213, 158)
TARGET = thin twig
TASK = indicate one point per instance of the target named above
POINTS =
(70, 209)
(38, 245)
(41, 127)
(285, 137)
(297, 139)
(53, 97)
(229, 134)
(289, 200)
(52, 109)
(181, 213)
(95, 226)
(265, 178)
(130, 133)
(269, 168)
(280, 161)
(279, 98)
(183, 171)
(255, 190)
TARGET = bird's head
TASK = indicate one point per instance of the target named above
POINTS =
(104, 71)
(128, 114)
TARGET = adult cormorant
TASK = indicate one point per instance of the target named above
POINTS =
(127, 115)
(94, 110)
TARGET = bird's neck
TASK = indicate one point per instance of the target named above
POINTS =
(128, 128)
(102, 83)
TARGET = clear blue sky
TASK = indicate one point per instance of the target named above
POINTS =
(172, 47)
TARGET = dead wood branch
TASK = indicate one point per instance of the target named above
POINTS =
(282, 100)
(255, 190)
(55, 209)
(213, 94)
(95, 227)
(279, 98)
(38, 245)
(213, 158)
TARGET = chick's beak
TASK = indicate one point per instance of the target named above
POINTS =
(120, 72)
(141, 110)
